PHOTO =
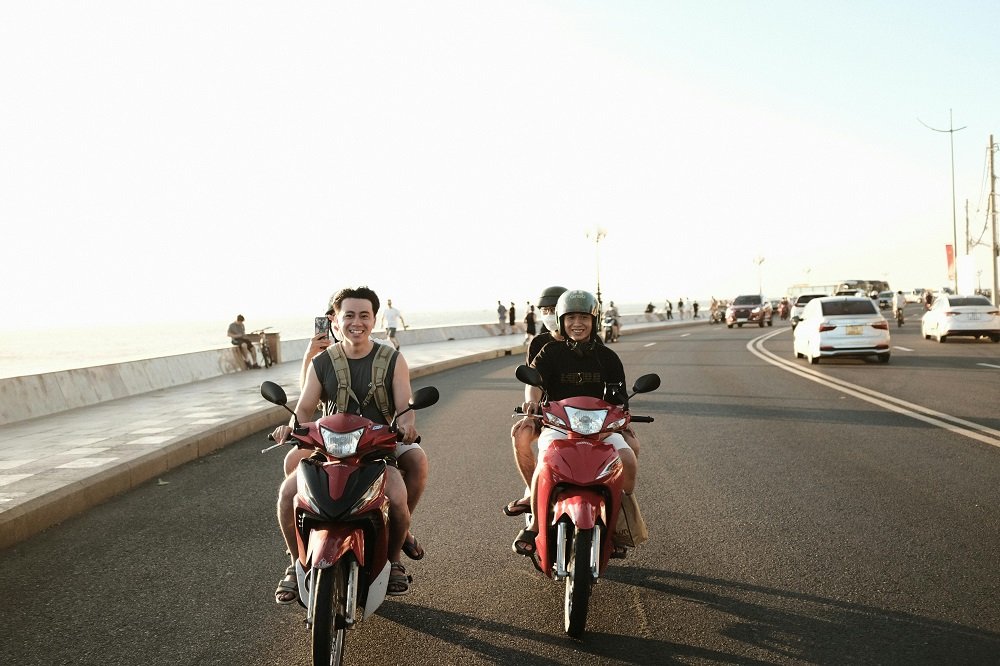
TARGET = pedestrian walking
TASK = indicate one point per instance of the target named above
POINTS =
(529, 324)
(511, 317)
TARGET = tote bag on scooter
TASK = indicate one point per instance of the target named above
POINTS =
(631, 528)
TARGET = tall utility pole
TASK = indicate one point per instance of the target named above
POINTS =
(995, 245)
(954, 215)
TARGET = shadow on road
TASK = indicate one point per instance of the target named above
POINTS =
(797, 627)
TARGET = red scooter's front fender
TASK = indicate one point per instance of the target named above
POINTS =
(329, 544)
(582, 506)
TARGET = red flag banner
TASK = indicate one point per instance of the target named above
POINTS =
(949, 251)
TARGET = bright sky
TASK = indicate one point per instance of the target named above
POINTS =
(190, 160)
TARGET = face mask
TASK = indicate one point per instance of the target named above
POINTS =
(550, 322)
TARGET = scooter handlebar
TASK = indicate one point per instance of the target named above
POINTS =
(642, 419)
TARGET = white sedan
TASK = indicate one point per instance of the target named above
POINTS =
(841, 326)
(952, 316)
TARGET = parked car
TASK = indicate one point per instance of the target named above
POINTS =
(749, 309)
(915, 296)
(800, 304)
(953, 316)
(885, 300)
(841, 326)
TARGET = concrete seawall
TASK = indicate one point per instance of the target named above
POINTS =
(32, 396)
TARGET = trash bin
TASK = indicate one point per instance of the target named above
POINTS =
(274, 343)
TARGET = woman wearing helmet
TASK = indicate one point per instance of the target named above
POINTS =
(578, 365)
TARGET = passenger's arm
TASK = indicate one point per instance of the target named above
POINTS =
(401, 393)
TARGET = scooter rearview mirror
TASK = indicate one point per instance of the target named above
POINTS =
(528, 375)
(646, 383)
(273, 393)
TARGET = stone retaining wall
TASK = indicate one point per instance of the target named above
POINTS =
(32, 396)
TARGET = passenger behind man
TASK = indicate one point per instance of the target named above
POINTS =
(238, 336)
(562, 364)
(353, 315)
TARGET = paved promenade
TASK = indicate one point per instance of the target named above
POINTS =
(60, 465)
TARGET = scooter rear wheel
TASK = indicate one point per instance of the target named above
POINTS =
(329, 630)
(578, 583)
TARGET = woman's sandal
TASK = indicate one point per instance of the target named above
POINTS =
(524, 544)
(518, 506)
(289, 585)
(412, 548)
(399, 581)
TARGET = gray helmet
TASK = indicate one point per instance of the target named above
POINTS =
(580, 301)
(549, 296)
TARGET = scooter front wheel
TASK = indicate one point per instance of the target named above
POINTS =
(329, 609)
(578, 583)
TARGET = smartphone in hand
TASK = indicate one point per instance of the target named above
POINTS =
(322, 326)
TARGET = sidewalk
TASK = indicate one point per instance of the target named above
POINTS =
(57, 466)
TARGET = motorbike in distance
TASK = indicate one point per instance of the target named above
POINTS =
(579, 491)
(341, 519)
(610, 323)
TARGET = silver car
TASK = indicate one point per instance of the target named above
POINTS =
(841, 326)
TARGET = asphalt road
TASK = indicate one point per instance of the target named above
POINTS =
(794, 521)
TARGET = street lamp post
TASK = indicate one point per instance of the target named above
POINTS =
(760, 279)
(954, 216)
(597, 234)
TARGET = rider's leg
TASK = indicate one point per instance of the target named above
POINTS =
(522, 435)
(413, 467)
(399, 514)
(286, 514)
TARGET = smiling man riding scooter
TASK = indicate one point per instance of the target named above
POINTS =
(355, 310)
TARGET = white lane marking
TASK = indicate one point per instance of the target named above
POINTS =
(902, 348)
(684, 335)
(988, 365)
(958, 426)
(649, 344)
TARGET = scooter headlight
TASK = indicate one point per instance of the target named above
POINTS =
(586, 421)
(341, 444)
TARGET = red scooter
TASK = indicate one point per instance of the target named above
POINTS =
(579, 491)
(341, 519)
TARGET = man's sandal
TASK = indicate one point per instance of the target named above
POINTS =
(518, 506)
(412, 548)
(287, 591)
(524, 544)
(399, 581)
